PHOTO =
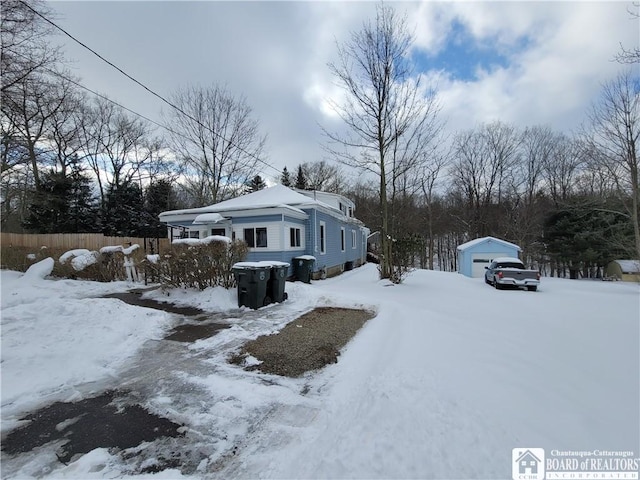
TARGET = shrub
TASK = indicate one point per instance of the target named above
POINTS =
(108, 266)
(199, 265)
(21, 258)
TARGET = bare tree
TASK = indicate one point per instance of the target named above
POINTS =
(25, 47)
(384, 109)
(562, 168)
(484, 160)
(615, 128)
(118, 148)
(217, 139)
(30, 108)
(429, 179)
(631, 55)
(324, 176)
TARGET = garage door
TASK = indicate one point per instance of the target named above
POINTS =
(481, 260)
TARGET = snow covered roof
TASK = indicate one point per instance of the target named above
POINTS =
(208, 218)
(629, 266)
(477, 241)
(276, 196)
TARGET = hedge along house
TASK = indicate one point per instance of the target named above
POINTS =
(279, 223)
(477, 254)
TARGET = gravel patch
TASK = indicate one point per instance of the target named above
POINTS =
(307, 343)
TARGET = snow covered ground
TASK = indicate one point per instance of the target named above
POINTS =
(444, 382)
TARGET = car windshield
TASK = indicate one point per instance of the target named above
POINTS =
(510, 265)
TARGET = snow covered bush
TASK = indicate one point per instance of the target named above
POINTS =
(198, 263)
(109, 264)
(20, 259)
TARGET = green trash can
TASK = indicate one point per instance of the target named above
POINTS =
(302, 267)
(277, 282)
(252, 279)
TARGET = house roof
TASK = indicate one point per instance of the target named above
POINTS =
(629, 266)
(478, 241)
(276, 196)
(527, 454)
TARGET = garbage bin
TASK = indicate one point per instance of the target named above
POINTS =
(302, 267)
(252, 280)
(348, 266)
(275, 288)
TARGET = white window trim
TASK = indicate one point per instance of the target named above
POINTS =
(299, 237)
(353, 239)
(323, 238)
(255, 237)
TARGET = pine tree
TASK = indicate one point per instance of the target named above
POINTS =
(159, 197)
(124, 215)
(256, 183)
(285, 179)
(301, 180)
(64, 204)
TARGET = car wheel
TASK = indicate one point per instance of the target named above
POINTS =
(497, 285)
(532, 288)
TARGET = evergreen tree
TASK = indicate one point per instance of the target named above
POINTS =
(285, 179)
(124, 214)
(255, 184)
(301, 179)
(586, 235)
(64, 204)
(160, 197)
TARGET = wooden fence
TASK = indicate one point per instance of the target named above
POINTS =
(90, 241)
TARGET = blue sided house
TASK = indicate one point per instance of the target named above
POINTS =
(477, 254)
(279, 223)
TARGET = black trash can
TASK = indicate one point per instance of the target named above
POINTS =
(252, 283)
(302, 267)
(348, 266)
(277, 282)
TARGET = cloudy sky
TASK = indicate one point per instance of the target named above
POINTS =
(524, 63)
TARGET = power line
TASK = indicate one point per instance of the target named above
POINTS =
(172, 105)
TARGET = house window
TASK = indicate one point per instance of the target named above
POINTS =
(353, 239)
(323, 237)
(294, 237)
(218, 231)
(194, 233)
(342, 241)
(256, 237)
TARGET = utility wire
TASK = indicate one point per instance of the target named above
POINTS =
(172, 105)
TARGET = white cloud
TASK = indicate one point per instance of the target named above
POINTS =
(553, 77)
(276, 54)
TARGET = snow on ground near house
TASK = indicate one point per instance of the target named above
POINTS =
(56, 335)
(448, 378)
(452, 375)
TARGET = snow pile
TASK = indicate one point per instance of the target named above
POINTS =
(78, 252)
(260, 264)
(119, 248)
(80, 258)
(201, 241)
(153, 258)
(40, 270)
